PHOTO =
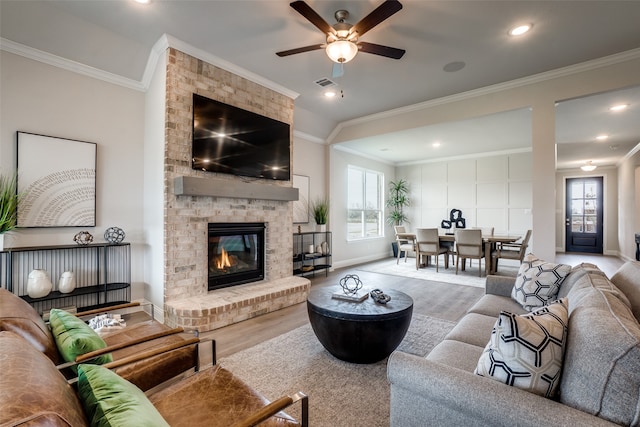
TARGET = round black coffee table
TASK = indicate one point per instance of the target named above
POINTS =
(359, 332)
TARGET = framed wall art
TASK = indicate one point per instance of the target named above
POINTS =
(57, 180)
(301, 206)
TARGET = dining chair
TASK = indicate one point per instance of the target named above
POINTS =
(514, 251)
(404, 245)
(428, 243)
(469, 246)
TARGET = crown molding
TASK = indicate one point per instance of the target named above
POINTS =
(167, 41)
(536, 78)
(309, 137)
(66, 64)
(630, 154)
(363, 155)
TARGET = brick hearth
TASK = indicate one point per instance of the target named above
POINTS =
(231, 305)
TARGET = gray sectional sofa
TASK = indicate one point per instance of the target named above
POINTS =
(600, 379)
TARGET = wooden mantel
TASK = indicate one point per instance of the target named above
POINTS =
(197, 186)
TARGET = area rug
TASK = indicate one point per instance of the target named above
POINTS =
(469, 277)
(340, 393)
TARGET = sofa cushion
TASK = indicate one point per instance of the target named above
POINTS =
(492, 305)
(74, 337)
(577, 271)
(110, 400)
(602, 361)
(473, 329)
(526, 351)
(456, 354)
(538, 282)
(32, 391)
(17, 316)
(627, 279)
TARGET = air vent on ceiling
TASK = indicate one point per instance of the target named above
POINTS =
(324, 82)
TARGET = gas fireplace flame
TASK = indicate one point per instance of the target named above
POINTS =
(223, 260)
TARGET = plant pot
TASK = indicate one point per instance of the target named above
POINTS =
(321, 228)
(2, 242)
(394, 248)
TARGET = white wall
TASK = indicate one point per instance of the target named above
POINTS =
(310, 159)
(629, 205)
(153, 210)
(46, 100)
(349, 253)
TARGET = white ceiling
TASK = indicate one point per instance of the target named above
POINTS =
(117, 36)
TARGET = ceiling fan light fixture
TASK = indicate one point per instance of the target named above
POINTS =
(588, 167)
(520, 30)
(341, 51)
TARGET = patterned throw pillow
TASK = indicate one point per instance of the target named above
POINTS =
(538, 282)
(526, 351)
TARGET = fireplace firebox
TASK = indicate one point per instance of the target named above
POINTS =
(236, 254)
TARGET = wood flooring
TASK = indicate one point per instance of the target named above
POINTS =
(441, 300)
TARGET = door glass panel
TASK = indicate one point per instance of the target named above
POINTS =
(576, 207)
(591, 223)
(576, 224)
(577, 190)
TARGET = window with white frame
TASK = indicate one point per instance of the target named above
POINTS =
(364, 203)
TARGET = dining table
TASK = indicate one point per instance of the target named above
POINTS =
(489, 241)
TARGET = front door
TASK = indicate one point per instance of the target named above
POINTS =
(584, 215)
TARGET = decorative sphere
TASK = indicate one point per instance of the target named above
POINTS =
(83, 238)
(114, 235)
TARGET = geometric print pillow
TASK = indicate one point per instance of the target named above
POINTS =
(526, 351)
(538, 282)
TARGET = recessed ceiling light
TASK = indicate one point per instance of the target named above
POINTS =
(602, 137)
(619, 107)
(143, 1)
(520, 29)
(330, 93)
(436, 144)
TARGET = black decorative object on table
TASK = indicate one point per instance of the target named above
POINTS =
(114, 235)
(351, 289)
(83, 238)
(380, 297)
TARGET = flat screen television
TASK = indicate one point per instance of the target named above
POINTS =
(231, 140)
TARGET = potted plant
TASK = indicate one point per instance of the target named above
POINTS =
(397, 201)
(320, 212)
(8, 205)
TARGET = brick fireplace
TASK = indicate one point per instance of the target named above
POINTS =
(188, 213)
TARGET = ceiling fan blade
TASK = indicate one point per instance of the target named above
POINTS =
(378, 15)
(305, 10)
(300, 50)
(378, 49)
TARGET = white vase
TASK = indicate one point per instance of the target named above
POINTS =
(321, 228)
(38, 284)
(2, 242)
(67, 282)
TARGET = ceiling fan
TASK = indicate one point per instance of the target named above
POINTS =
(342, 39)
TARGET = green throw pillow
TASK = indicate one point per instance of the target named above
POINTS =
(110, 400)
(74, 337)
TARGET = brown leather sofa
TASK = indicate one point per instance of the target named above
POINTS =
(17, 316)
(34, 393)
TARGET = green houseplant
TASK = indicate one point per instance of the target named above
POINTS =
(320, 211)
(397, 201)
(8, 205)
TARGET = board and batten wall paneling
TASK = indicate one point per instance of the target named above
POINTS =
(492, 191)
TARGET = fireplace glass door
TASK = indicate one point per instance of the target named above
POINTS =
(236, 254)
